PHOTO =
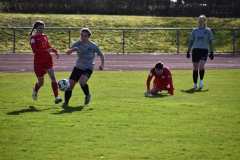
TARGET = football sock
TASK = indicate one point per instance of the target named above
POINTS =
(68, 95)
(201, 74)
(55, 89)
(85, 89)
(195, 76)
(36, 87)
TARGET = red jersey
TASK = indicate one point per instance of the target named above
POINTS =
(164, 79)
(40, 46)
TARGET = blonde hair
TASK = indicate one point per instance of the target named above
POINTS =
(205, 19)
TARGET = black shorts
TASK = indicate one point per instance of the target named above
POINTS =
(199, 54)
(76, 73)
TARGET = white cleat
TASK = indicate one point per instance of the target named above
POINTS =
(201, 84)
(195, 86)
(34, 94)
(57, 100)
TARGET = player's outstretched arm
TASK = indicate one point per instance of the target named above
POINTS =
(71, 50)
(57, 54)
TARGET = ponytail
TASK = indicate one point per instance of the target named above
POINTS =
(32, 29)
(36, 24)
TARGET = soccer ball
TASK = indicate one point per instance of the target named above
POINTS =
(63, 84)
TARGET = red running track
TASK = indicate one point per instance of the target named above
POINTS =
(124, 62)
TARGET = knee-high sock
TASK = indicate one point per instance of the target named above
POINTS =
(195, 76)
(85, 89)
(55, 89)
(68, 95)
(201, 74)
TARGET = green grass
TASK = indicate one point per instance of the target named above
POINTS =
(120, 123)
(111, 40)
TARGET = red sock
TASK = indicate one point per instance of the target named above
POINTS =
(36, 87)
(55, 89)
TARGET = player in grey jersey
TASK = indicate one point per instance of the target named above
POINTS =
(199, 39)
(84, 66)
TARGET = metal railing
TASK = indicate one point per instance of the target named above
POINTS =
(123, 30)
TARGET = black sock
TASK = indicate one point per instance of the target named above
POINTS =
(195, 76)
(201, 74)
(85, 89)
(68, 95)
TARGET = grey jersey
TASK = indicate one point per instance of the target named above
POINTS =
(86, 54)
(201, 37)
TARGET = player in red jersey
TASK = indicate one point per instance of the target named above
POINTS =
(163, 79)
(43, 62)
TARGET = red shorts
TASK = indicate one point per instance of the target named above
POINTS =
(41, 68)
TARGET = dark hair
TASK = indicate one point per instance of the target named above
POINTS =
(87, 31)
(159, 65)
(36, 24)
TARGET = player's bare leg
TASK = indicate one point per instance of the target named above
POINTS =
(37, 87)
(201, 72)
(195, 74)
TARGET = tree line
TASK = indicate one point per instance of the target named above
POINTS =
(186, 8)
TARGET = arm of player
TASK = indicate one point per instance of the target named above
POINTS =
(57, 54)
(189, 48)
(102, 62)
(51, 49)
(71, 50)
(190, 45)
(148, 83)
(191, 40)
(170, 81)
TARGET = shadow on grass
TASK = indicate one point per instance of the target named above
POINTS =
(30, 109)
(192, 90)
(157, 96)
(68, 109)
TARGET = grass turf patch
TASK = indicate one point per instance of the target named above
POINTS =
(120, 123)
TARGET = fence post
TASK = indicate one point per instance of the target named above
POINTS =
(123, 40)
(178, 40)
(233, 39)
(69, 36)
(14, 39)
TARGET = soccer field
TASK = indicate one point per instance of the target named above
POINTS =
(120, 123)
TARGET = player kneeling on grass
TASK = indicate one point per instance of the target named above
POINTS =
(163, 79)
